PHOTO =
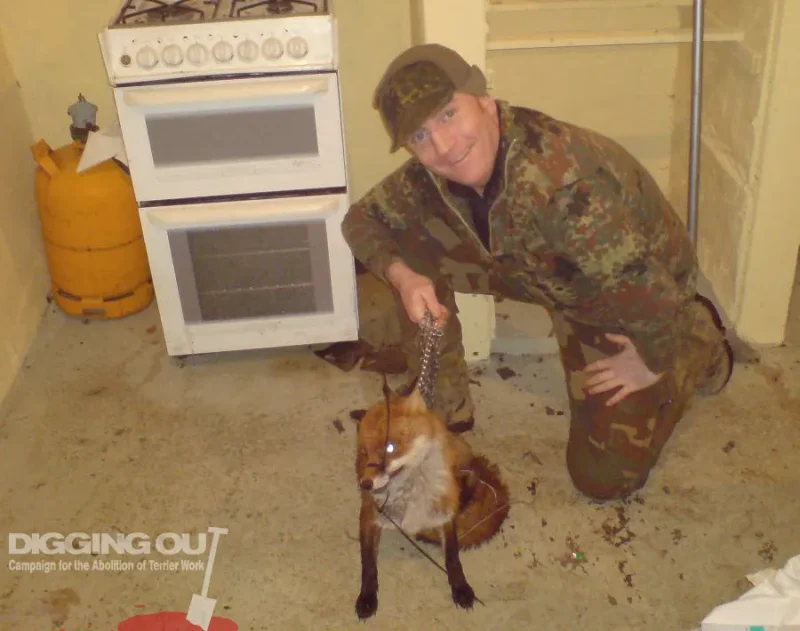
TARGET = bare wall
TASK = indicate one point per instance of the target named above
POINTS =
(623, 91)
(23, 273)
(371, 35)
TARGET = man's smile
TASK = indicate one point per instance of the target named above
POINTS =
(462, 157)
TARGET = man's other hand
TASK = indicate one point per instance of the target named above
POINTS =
(626, 371)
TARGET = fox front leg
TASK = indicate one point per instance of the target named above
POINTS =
(463, 596)
(369, 538)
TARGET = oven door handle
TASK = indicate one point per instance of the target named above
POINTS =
(219, 94)
(242, 213)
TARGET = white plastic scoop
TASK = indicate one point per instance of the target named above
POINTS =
(201, 609)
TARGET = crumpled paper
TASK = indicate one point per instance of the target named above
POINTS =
(103, 145)
(773, 604)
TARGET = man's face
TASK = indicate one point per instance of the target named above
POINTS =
(459, 141)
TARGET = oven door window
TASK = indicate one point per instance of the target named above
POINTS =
(189, 139)
(229, 273)
(214, 139)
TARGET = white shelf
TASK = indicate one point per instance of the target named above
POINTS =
(568, 5)
(619, 38)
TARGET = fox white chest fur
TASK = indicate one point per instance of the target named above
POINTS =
(412, 487)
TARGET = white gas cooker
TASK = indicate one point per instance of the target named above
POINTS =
(153, 41)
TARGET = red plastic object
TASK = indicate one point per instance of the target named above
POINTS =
(172, 621)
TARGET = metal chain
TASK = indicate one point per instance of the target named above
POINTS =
(430, 345)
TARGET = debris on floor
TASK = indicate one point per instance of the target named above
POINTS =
(357, 415)
(506, 373)
(574, 557)
(627, 577)
(618, 534)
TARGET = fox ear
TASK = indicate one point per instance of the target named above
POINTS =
(409, 388)
(415, 404)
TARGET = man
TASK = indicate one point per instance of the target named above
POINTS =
(507, 201)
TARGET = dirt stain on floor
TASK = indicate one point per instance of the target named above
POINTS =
(773, 375)
(627, 578)
(616, 532)
(57, 604)
(767, 551)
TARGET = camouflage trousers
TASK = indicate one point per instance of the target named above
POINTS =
(611, 450)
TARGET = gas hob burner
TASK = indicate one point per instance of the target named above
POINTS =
(276, 8)
(152, 12)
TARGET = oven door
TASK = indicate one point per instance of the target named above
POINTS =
(252, 274)
(235, 136)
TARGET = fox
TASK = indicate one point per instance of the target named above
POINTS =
(417, 475)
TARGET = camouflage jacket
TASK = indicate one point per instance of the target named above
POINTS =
(576, 214)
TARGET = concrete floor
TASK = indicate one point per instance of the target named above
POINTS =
(103, 432)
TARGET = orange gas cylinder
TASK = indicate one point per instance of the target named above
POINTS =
(93, 238)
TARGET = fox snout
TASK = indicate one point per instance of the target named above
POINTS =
(373, 477)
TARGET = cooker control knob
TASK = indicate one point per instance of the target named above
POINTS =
(172, 55)
(272, 48)
(297, 47)
(147, 57)
(223, 52)
(248, 51)
(197, 54)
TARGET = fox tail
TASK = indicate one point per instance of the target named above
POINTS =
(484, 505)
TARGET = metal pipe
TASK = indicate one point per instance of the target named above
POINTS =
(696, 122)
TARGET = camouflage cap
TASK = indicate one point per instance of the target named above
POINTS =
(417, 83)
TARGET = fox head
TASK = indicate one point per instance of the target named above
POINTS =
(393, 435)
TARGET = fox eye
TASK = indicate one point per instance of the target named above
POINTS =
(390, 448)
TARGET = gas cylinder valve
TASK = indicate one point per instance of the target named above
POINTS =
(83, 114)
